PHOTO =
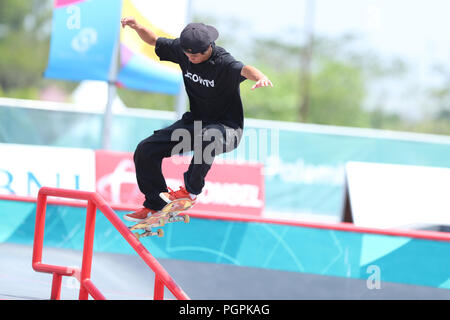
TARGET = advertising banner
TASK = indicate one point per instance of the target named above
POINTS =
(398, 196)
(230, 187)
(84, 37)
(25, 169)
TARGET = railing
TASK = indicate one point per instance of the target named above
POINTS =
(87, 287)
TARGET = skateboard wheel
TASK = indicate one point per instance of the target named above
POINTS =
(187, 219)
(137, 235)
(162, 222)
(160, 233)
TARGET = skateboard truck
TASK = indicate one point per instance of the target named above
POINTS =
(169, 214)
(149, 233)
(160, 232)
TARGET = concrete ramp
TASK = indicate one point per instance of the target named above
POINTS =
(127, 277)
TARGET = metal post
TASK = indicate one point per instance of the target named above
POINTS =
(112, 90)
(39, 229)
(181, 102)
(56, 287)
(158, 293)
(88, 249)
(108, 117)
(306, 60)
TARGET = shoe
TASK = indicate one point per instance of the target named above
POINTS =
(139, 215)
(177, 195)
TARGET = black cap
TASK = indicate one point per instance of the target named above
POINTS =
(196, 37)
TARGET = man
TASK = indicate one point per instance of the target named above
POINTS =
(215, 121)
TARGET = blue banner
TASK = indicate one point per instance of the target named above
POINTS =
(84, 38)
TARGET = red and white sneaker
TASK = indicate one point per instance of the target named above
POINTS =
(139, 215)
(177, 195)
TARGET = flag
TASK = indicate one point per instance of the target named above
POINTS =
(85, 42)
(140, 67)
(84, 36)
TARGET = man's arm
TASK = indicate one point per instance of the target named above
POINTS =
(146, 34)
(254, 74)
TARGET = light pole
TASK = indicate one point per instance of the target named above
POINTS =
(306, 58)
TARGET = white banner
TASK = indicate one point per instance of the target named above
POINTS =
(398, 196)
(25, 168)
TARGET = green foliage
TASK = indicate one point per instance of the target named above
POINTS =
(146, 100)
(23, 45)
(22, 61)
(337, 95)
(277, 103)
(337, 86)
(439, 94)
(13, 12)
(382, 120)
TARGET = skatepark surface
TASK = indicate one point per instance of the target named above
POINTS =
(127, 277)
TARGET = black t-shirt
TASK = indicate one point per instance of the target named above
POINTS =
(212, 86)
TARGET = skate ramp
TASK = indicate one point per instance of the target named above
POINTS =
(223, 259)
(126, 277)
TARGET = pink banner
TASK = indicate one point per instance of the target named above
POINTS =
(236, 188)
(62, 3)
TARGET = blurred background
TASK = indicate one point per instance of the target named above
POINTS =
(344, 169)
(372, 64)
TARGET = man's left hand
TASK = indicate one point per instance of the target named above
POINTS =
(264, 82)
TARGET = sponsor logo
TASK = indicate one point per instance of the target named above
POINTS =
(86, 38)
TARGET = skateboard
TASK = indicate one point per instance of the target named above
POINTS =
(168, 214)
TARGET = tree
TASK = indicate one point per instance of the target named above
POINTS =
(440, 94)
(277, 103)
(24, 43)
(338, 91)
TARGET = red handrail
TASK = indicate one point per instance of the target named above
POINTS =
(87, 287)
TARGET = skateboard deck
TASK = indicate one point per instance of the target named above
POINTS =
(170, 213)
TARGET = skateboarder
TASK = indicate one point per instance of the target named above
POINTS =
(214, 123)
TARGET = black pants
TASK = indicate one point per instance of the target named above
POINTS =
(206, 140)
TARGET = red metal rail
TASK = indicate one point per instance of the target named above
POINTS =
(87, 287)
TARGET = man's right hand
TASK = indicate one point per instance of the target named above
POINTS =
(146, 34)
(129, 21)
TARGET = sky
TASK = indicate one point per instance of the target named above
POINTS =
(413, 29)
(417, 31)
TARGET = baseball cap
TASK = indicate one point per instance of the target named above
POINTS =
(196, 37)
